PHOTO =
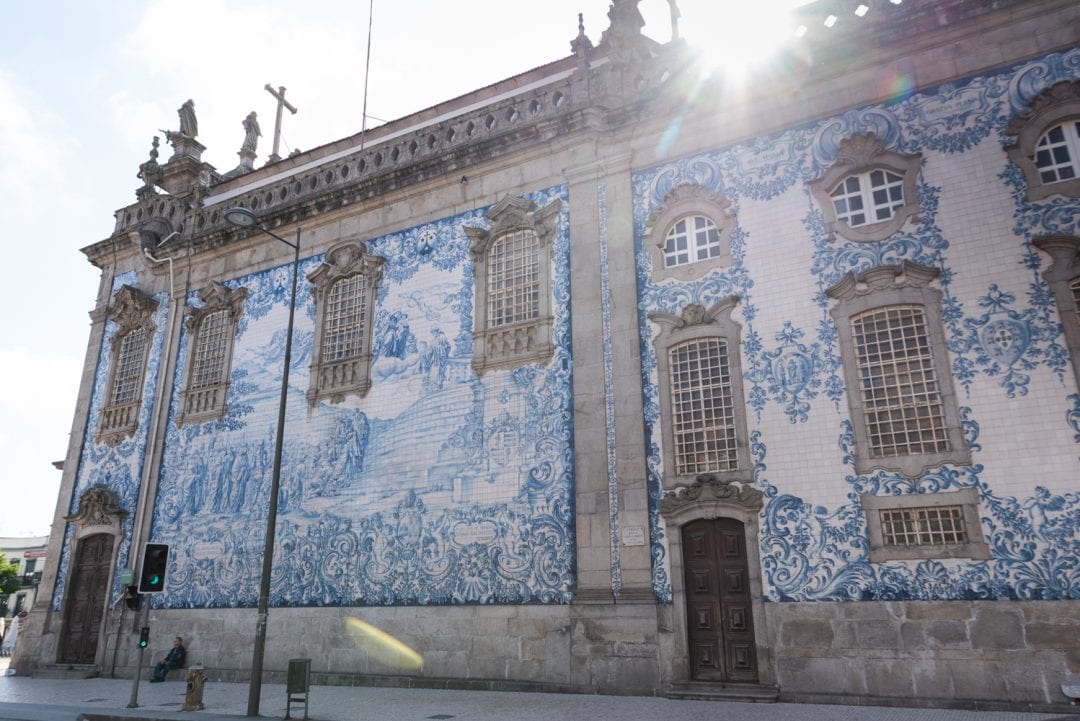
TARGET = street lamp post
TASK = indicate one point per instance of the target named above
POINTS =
(246, 219)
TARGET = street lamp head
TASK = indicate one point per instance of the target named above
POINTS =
(241, 217)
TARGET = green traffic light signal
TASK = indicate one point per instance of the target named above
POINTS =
(144, 637)
(155, 564)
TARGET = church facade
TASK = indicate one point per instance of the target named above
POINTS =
(609, 378)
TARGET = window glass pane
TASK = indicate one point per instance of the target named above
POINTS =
(929, 526)
(898, 385)
(129, 368)
(691, 239)
(208, 360)
(879, 191)
(346, 314)
(703, 410)
(1057, 154)
(514, 279)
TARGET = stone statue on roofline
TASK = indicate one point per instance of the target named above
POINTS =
(251, 132)
(183, 140)
(189, 126)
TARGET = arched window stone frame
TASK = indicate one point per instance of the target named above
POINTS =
(686, 200)
(513, 345)
(1053, 106)
(1063, 277)
(207, 402)
(861, 153)
(335, 379)
(132, 311)
(895, 285)
(696, 322)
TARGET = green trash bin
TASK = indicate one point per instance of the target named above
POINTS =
(298, 684)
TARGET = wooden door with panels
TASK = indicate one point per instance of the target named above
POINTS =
(720, 631)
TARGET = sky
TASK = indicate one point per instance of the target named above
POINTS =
(86, 84)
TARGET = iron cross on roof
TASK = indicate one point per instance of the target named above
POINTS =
(281, 103)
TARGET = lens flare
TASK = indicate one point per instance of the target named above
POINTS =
(383, 647)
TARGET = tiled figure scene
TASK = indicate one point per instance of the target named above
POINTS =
(435, 487)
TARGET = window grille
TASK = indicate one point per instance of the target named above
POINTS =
(923, 526)
(346, 316)
(129, 365)
(870, 197)
(208, 361)
(691, 239)
(702, 407)
(514, 279)
(898, 385)
(1057, 155)
(1075, 288)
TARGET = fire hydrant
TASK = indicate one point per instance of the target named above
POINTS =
(196, 679)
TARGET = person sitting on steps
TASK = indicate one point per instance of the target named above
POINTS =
(174, 659)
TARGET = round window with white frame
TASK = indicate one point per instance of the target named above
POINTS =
(870, 192)
(691, 239)
(689, 234)
(870, 197)
(1057, 154)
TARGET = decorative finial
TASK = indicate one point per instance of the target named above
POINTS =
(675, 15)
(581, 44)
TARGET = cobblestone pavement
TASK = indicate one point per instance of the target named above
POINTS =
(32, 699)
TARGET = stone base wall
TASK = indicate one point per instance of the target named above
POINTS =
(588, 648)
(973, 654)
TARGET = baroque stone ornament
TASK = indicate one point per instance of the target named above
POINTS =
(709, 487)
(98, 506)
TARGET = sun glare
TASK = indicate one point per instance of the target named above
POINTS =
(736, 37)
(380, 645)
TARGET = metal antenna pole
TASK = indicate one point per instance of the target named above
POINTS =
(367, 72)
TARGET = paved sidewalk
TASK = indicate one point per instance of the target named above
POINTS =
(31, 699)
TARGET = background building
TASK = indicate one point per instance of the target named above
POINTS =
(613, 377)
(29, 554)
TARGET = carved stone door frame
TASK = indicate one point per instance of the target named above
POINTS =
(709, 498)
(99, 513)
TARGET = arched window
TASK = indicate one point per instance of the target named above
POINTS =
(872, 196)
(344, 287)
(701, 397)
(132, 311)
(512, 284)
(869, 193)
(904, 413)
(1057, 154)
(513, 278)
(1047, 142)
(690, 239)
(689, 234)
(212, 327)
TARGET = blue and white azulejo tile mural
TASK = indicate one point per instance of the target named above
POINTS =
(437, 487)
(1000, 321)
(119, 467)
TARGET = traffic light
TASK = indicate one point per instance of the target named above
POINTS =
(155, 562)
(132, 598)
(144, 637)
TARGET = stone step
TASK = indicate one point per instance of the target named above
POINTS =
(706, 691)
(68, 671)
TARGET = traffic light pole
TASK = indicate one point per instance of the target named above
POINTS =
(143, 622)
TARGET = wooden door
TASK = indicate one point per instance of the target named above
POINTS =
(85, 602)
(718, 603)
